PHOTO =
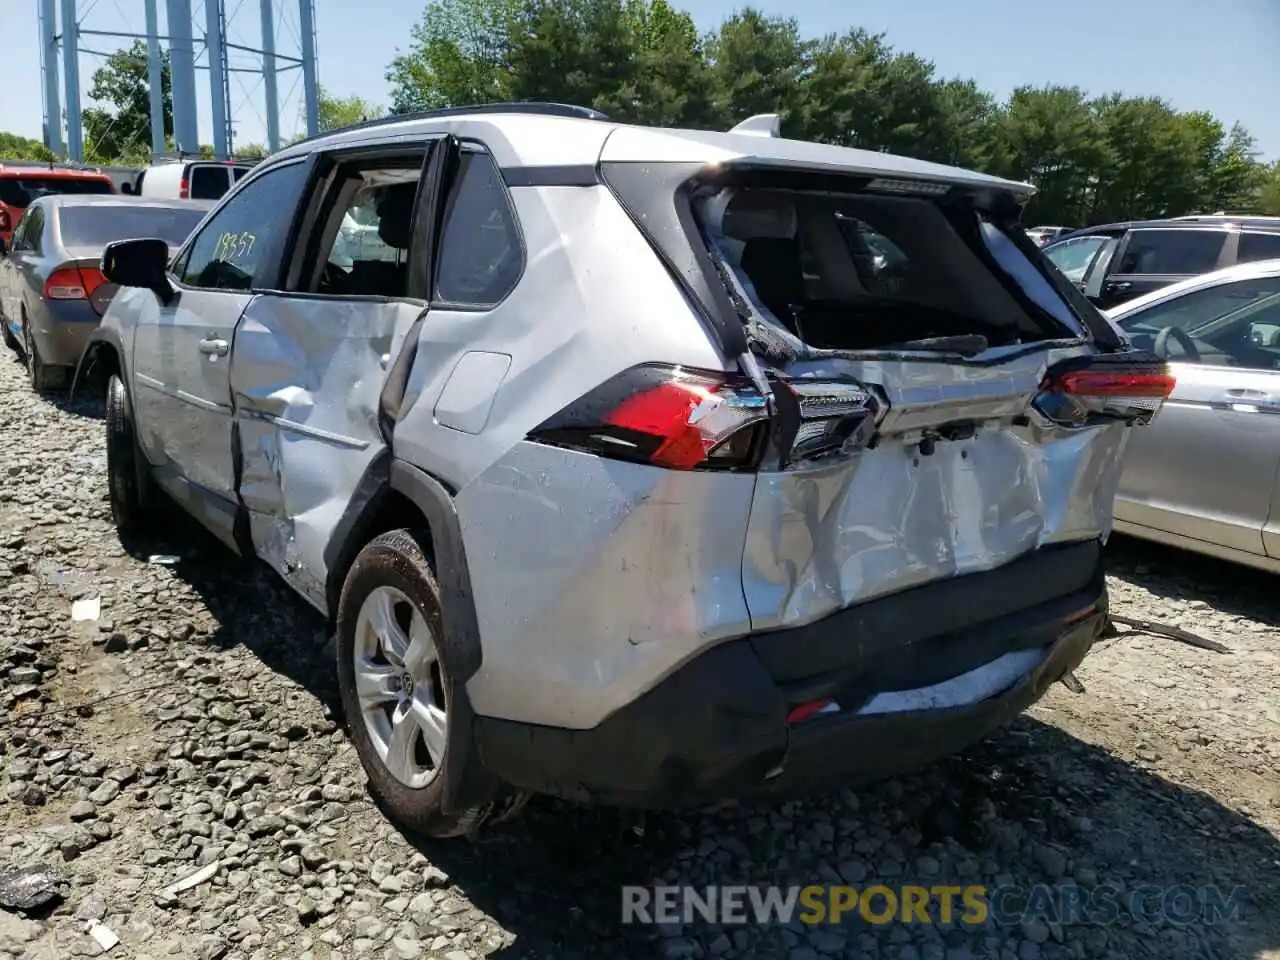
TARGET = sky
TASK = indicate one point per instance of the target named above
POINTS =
(1217, 56)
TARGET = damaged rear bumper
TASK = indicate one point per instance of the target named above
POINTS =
(717, 728)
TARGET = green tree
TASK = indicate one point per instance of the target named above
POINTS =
(15, 147)
(758, 65)
(119, 127)
(338, 112)
(1267, 199)
(457, 55)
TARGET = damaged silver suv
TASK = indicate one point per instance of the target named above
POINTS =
(639, 466)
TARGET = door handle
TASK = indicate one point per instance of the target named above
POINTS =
(1118, 286)
(214, 347)
(1254, 398)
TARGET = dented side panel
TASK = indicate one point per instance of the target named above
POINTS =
(594, 579)
(307, 375)
(907, 512)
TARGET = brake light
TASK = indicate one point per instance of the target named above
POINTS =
(666, 416)
(183, 189)
(697, 420)
(5, 223)
(1083, 391)
(73, 283)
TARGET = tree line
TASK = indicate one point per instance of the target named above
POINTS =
(1093, 158)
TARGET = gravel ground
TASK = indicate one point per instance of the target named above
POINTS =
(219, 746)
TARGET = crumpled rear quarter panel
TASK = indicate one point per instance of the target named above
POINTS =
(594, 578)
(893, 518)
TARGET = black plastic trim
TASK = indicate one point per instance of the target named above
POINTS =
(536, 108)
(466, 784)
(568, 175)
(716, 728)
(656, 197)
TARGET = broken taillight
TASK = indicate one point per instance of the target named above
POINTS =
(1085, 391)
(698, 420)
(666, 416)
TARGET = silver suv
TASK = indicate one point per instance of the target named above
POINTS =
(639, 466)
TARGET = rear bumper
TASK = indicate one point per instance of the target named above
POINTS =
(717, 728)
(61, 329)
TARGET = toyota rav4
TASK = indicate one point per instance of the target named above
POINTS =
(638, 466)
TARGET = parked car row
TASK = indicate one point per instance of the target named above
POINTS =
(52, 290)
(1115, 262)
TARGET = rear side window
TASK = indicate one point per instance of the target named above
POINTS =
(29, 237)
(1258, 246)
(237, 173)
(1182, 252)
(481, 256)
(229, 252)
(207, 183)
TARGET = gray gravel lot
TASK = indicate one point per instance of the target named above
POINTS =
(219, 748)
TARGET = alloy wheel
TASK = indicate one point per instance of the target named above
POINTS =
(400, 686)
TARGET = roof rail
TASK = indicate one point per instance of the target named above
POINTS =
(535, 107)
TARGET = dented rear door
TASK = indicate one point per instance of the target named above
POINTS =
(307, 378)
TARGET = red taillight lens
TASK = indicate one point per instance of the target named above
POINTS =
(1090, 383)
(65, 284)
(5, 223)
(666, 416)
(1084, 392)
(183, 188)
(73, 283)
(696, 420)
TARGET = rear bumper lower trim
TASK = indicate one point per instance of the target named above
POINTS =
(717, 729)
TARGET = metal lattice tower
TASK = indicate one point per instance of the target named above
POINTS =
(209, 44)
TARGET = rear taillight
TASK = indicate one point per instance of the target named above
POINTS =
(184, 189)
(666, 416)
(697, 420)
(5, 224)
(73, 283)
(1088, 390)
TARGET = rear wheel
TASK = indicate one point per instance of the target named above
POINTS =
(129, 489)
(43, 377)
(394, 682)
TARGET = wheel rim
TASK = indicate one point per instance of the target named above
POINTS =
(400, 686)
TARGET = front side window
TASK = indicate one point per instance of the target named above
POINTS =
(1258, 246)
(481, 256)
(1196, 310)
(230, 251)
(369, 250)
(1073, 257)
(1176, 252)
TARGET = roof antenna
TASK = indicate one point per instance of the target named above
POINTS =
(761, 125)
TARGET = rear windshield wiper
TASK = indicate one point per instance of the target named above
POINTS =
(966, 344)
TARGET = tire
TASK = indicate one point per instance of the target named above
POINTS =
(43, 377)
(391, 582)
(10, 340)
(129, 489)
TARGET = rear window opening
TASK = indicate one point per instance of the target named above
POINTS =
(21, 190)
(859, 272)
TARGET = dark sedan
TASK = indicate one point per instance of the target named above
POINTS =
(52, 291)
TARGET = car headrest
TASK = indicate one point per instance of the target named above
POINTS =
(395, 215)
(760, 215)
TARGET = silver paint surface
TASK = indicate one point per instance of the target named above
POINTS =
(306, 375)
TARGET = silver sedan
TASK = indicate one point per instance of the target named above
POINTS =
(1206, 474)
(52, 292)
